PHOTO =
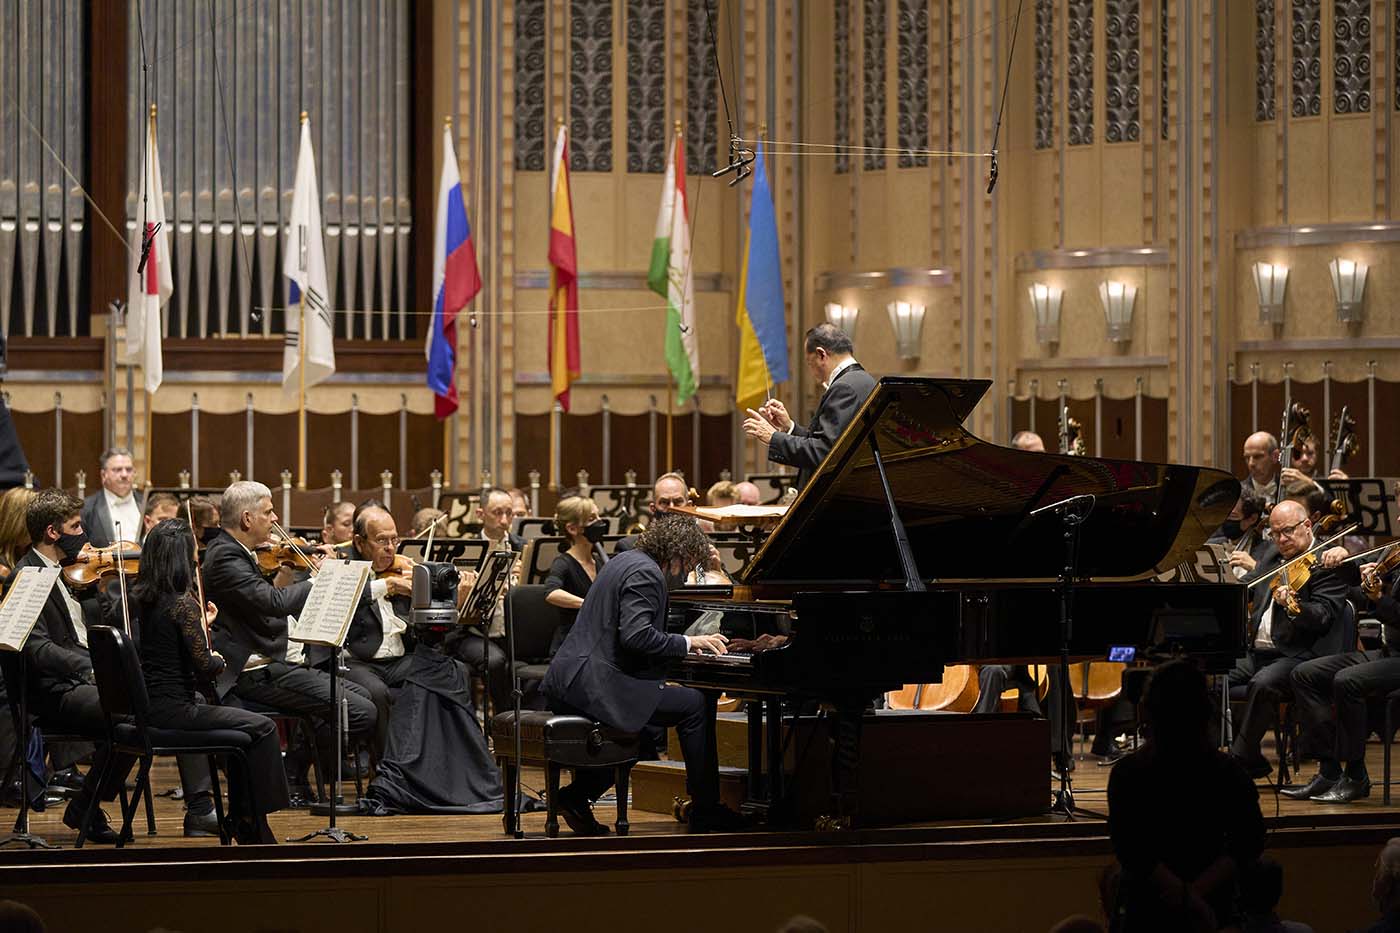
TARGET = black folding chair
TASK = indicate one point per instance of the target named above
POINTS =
(126, 707)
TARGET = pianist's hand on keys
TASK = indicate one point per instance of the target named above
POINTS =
(708, 644)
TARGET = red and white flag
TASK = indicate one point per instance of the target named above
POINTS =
(150, 284)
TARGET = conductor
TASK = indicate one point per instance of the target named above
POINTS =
(612, 668)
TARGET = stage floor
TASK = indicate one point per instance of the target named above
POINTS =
(1090, 787)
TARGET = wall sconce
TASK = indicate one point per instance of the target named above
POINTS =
(1117, 299)
(844, 317)
(1270, 281)
(907, 319)
(1349, 285)
(1045, 301)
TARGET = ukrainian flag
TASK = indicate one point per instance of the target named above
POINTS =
(762, 313)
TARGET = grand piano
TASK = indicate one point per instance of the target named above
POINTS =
(917, 544)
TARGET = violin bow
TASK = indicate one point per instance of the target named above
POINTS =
(1312, 550)
(198, 574)
(296, 549)
(432, 529)
(121, 583)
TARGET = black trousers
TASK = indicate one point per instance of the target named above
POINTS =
(303, 691)
(79, 710)
(1266, 679)
(488, 658)
(377, 677)
(1342, 682)
(692, 713)
(995, 679)
(256, 786)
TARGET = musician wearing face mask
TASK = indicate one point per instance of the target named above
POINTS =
(62, 693)
(573, 572)
(1286, 628)
(1245, 533)
(205, 512)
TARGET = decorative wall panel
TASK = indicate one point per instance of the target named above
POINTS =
(1122, 71)
(1164, 58)
(874, 77)
(590, 85)
(1080, 49)
(1306, 94)
(841, 71)
(529, 86)
(1044, 74)
(702, 91)
(1264, 102)
(1351, 56)
(913, 81)
(646, 86)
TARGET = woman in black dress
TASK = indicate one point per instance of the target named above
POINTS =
(175, 656)
(572, 573)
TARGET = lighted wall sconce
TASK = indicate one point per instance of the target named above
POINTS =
(1349, 285)
(1270, 281)
(1045, 301)
(908, 322)
(844, 317)
(1117, 299)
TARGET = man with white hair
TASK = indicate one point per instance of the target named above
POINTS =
(1028, 440)
(747, 493)
(264, 668)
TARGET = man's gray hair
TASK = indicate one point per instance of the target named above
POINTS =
(242, 496)
(111, 452)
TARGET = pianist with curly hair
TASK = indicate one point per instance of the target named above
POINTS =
(612, 668)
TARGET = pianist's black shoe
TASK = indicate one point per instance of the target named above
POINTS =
(1318, 785)
(578, 813)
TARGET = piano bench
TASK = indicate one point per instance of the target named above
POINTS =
(556, 742)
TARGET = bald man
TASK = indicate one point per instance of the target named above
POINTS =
(1028, 440)
(1279, 637)
(1261, 465)
(747, 493)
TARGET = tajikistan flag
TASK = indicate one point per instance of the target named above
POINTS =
(671, 278)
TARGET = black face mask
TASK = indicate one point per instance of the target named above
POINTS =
(1231, 528)
(70, 545)
(595, 530)
(208, 535)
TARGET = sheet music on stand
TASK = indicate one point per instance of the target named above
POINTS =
(24, 601)
(335, 592)
(485, 593)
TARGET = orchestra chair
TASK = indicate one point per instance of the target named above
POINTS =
(125, 707)
(291, 723)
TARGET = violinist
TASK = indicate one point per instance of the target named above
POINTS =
(431, 698)
(573, 572)
(337, 525)
(1331, 692)
(62, 691)
(159, 507)
(14, 530)
(1297, 617)
(487, 655)
(205, 513)
(262, 666)
(1261, 465)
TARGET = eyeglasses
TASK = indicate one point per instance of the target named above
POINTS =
(382, 541)
(1285, 532)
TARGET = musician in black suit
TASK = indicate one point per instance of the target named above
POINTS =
(115, 502)
(1281, 636)
(62, 692)
(262, 666)
(612, 668)
(486, 653)
(847, 385)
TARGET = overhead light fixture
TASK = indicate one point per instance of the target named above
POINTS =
(1349, 286)
(1117, 299)
(843, 317)
(1045, 301)
(907, 319)
(1270, 282)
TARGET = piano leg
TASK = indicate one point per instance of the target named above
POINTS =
(774, 726)
(756, 795)
(845, 765)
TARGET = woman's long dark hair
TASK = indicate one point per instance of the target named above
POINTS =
(167, 562)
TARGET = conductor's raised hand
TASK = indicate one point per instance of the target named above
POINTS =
(777, 414)
(708, 644)
(758, 427)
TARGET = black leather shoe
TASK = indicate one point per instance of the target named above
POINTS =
(100, 832)
(1318, 785)
(718, 819)
(69, 780)
(201, 824)
(577, 812)
(1345, 791)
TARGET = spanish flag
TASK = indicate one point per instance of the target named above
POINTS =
(563, 277)
(762, 312)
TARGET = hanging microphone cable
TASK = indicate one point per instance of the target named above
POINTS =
(740, 157)
(994, 168)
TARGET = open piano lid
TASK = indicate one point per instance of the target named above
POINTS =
(965, 503)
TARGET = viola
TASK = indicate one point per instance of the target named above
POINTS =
(96, 565)
(1371, 583)
(1334, 518)
(294, 553)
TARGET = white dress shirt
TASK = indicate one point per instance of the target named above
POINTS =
(1264, 638)
(75, 608)
(393, 626)
(127, 513)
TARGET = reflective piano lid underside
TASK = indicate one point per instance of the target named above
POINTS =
(964, 502)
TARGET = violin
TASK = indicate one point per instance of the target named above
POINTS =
(293, 553)
(96, 565)
(1371, 582)
(1295, 576)
(402, 566)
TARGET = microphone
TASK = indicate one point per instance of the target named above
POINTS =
(992, 172)
(146, 244)
(1066, 505)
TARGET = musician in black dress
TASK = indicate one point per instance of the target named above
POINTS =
(175, 656)
(573, 572)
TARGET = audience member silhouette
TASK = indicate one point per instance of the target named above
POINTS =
(1261, 886)
(1385, 889)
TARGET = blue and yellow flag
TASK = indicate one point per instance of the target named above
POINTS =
(762, 313)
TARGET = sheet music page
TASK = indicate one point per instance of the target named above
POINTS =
(335, 592)
(28, 592)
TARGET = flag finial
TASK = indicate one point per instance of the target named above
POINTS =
(153, 111)
(678, 127)
(303, 116)
(762, 130)
(447, 122)
(558, 122)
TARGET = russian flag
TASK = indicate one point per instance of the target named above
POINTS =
(456, 280)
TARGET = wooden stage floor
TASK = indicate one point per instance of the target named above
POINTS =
(1090, 787)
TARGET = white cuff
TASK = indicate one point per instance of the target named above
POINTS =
(378, 589)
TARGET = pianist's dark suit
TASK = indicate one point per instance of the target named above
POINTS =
(612, 667)
(806, 448)
(1315, 631)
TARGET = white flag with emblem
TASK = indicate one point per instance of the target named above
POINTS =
(304, 264)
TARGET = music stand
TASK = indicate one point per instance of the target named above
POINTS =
(19, 622)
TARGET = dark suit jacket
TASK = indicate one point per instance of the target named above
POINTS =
(806, 448)
(56, 661)
(97, 518)
(1317, 628)
(367, 630)
(611, 665)
(252, 612)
